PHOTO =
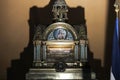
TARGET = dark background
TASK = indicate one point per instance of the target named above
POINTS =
(16, 27)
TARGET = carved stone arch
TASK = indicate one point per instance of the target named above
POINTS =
(63, 25)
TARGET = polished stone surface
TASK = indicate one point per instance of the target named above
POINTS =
(69, 73)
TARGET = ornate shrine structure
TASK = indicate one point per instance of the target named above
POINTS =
(60, 50)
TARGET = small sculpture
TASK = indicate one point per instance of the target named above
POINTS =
(60, 10)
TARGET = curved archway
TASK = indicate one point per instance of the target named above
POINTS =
(60, 25)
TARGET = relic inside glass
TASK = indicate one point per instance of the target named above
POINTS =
(61, 51)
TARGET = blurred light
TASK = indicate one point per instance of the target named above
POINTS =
(65, 76)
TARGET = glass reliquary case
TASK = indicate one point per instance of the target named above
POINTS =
(60, 50)
(60, 44)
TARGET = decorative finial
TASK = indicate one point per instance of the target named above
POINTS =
(116, 5)
(60, 10)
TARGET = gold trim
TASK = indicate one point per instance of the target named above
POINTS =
(62, 42)
(59, 25)
(60, 45)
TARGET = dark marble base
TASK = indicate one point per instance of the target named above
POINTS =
(69, 73)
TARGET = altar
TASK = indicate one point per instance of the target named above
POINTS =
(61, 51)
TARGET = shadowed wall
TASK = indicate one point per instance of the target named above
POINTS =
(14, 28)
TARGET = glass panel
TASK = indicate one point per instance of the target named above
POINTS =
(60, 34)
(60, 51)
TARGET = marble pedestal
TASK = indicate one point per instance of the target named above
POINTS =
(69, 73)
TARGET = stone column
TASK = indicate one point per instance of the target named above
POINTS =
(37, 53)
(44, 51)
(83, 50)
(76, 50)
